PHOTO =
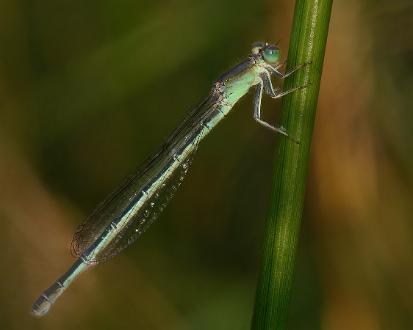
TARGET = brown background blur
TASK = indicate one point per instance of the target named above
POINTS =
(89, 89)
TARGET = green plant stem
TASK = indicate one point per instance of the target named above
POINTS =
(308, 41)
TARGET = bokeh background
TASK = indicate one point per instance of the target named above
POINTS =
(90, 89)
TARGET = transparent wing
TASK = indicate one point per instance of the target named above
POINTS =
(149, 212)
(114, 206)
(142, 219)
(119, 204)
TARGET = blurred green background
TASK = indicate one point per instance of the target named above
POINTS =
(88, 90)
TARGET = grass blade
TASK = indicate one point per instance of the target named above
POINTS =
(308, 41)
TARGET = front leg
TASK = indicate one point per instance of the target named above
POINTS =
(288, 73)
(269, 89)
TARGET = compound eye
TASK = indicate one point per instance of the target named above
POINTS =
(271, 54)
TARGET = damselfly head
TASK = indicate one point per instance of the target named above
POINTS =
(269, 52)
(257, 47)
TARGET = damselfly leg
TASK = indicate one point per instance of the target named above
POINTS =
(277, 72)
(257, 112)
(266, 85)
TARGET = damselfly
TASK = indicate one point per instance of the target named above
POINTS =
(131, 209)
